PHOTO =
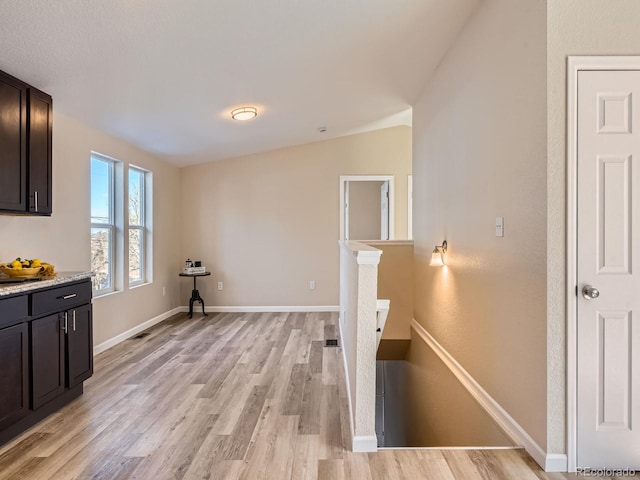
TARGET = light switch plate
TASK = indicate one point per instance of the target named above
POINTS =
(499, 226)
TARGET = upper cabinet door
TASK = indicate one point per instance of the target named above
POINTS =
(13, 144)
(40, 121)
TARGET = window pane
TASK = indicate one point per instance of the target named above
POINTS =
(100, 191)
(136, 253)
(136, 192)
(101, 243)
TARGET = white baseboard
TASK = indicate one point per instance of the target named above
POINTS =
(550, 462)
(252, 309)
(469, 447)
(556, 462)
(133, 331)
(365, 443)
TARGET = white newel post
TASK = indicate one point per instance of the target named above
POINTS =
(358, 298)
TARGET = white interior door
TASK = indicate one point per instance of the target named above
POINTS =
(608, 259)
(349, 208)
(384, 211)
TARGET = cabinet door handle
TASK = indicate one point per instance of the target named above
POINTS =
(65, 322)
(35, 200)
(67, 297)
(74, 320)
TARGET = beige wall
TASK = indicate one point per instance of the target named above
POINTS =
(395, 282)
(63, 239)
(267, 224)
(364, 210)
(439, 411)
(480, 152)
(576, 27)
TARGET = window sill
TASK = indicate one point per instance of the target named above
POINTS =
(105, 294)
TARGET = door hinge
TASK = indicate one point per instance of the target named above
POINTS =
(576, 290)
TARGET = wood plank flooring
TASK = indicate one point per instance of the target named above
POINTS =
(228, 396)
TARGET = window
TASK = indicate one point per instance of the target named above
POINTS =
(103, 227)
(137, 226)
(120, 211)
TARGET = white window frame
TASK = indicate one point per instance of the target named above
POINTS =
(143, 226)
(110, 226)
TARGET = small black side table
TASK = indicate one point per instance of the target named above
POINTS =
(195, 295)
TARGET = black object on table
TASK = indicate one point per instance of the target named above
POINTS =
(195, 295)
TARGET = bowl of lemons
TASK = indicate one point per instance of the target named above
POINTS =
(20, 268)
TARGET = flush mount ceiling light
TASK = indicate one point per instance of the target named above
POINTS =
(244, 113)
(437, 257)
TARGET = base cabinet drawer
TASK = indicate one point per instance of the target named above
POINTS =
(60, 299)
(14, 374)
(13, 310)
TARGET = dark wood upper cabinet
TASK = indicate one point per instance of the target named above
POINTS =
(26, 122)
(40, 121)
(13, 144)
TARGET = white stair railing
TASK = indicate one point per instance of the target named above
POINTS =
(358, 325)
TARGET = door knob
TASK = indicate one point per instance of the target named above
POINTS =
(589, 292)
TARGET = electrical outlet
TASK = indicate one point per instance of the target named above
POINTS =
(164, 291)
(312, 284)
(220, 286)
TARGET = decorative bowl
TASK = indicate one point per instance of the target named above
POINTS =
(20, 272)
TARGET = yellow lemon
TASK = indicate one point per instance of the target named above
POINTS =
(16, 264)
(36, 263)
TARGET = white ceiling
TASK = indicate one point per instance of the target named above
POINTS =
(164, 74)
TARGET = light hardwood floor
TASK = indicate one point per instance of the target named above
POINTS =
(228, 396)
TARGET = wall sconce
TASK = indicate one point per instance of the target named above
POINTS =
(437, 257)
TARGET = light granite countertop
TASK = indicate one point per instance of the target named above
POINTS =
(60, 279)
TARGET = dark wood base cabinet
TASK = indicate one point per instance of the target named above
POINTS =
(47, 360)
(46, 352)
(14, 374)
